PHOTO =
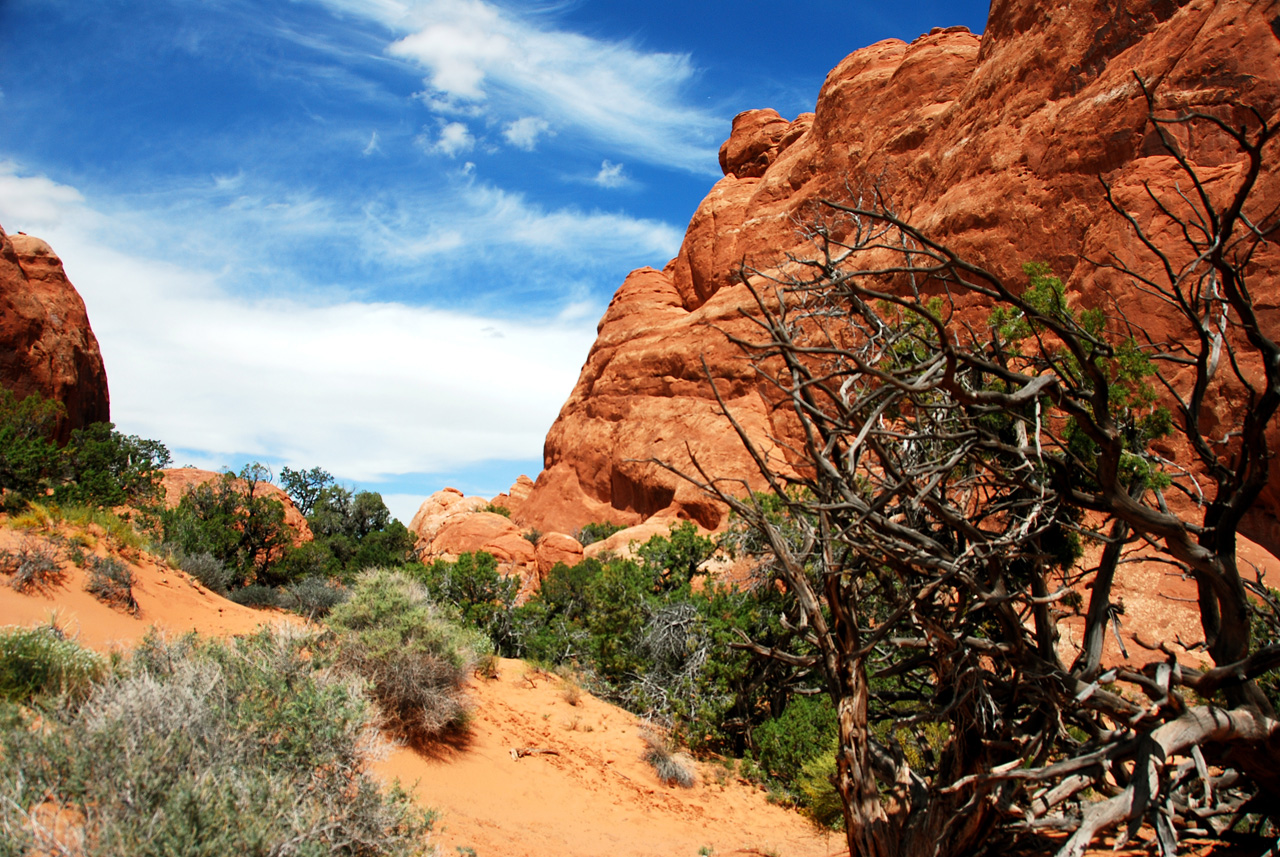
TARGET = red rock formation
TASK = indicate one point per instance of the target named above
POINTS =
(46, 344)
(177, 481)
(994, 145)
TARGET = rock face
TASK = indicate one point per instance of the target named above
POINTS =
(177, 481)
(992, 144)
(46, 344)
(449, 524)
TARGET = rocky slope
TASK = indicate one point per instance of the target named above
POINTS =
(46, 344)
(993, 144)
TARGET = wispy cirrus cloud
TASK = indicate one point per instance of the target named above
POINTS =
(486, 57)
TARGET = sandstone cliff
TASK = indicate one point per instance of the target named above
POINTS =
(993, 144)
(46, 344)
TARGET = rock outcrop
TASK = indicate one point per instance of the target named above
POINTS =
(46, 344)
(449, 524)
(992, 144)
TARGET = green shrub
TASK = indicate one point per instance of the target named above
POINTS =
(32, 566)
(414, 655)
(234, 521)
(596, 531)
(255, 595)
(28, 455)
(255, 747)
(41, 661)
(482, 595)
(111, 581)
(818, 793)
(806, 728)
(495, 509)
(312, 597)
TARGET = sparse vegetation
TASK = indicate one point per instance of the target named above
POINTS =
(32, 566)
(111, 581)
(673, 768)
(255, 746)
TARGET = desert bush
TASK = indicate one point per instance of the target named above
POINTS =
(32, 566)
(495, 509)
(413, 653)
(596, 531)
(117, 529)
(312, 597)
(42, 661)
(255, 595)
(111, 581)
(235, 521)
(255, 746)
(208, 569)
(672, 768)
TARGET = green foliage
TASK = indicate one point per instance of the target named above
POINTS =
(495, 509)
(806, 727)
(357, 531)
(28, 456)
(305, 486)
(483, 597)
(818, 796)
(596, 531)
(236, 524)
(98, 466)
(413, 653)
(102, 467)
(676, 558)
(254, 746)
(41, 661)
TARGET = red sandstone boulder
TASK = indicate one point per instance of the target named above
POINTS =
(176, 482)
(992, 144)
(440, 509)
(557, 547)
(483, 531)
(46, 344)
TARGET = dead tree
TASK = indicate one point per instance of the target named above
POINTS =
(956, 439)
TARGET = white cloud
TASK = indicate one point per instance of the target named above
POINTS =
(364, 389)
(523, 133)
(610, 175)
(373, 146)
(455, 138)
(480, 56)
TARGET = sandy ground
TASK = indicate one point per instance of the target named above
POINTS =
(585, 790)
(594, 796)
(167, 599)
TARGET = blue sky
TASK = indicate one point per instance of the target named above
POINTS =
(376, 235)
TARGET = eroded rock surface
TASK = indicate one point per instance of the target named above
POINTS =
(992, 144)
(46, 344)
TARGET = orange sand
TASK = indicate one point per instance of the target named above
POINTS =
(597, 797)
(168, 600)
